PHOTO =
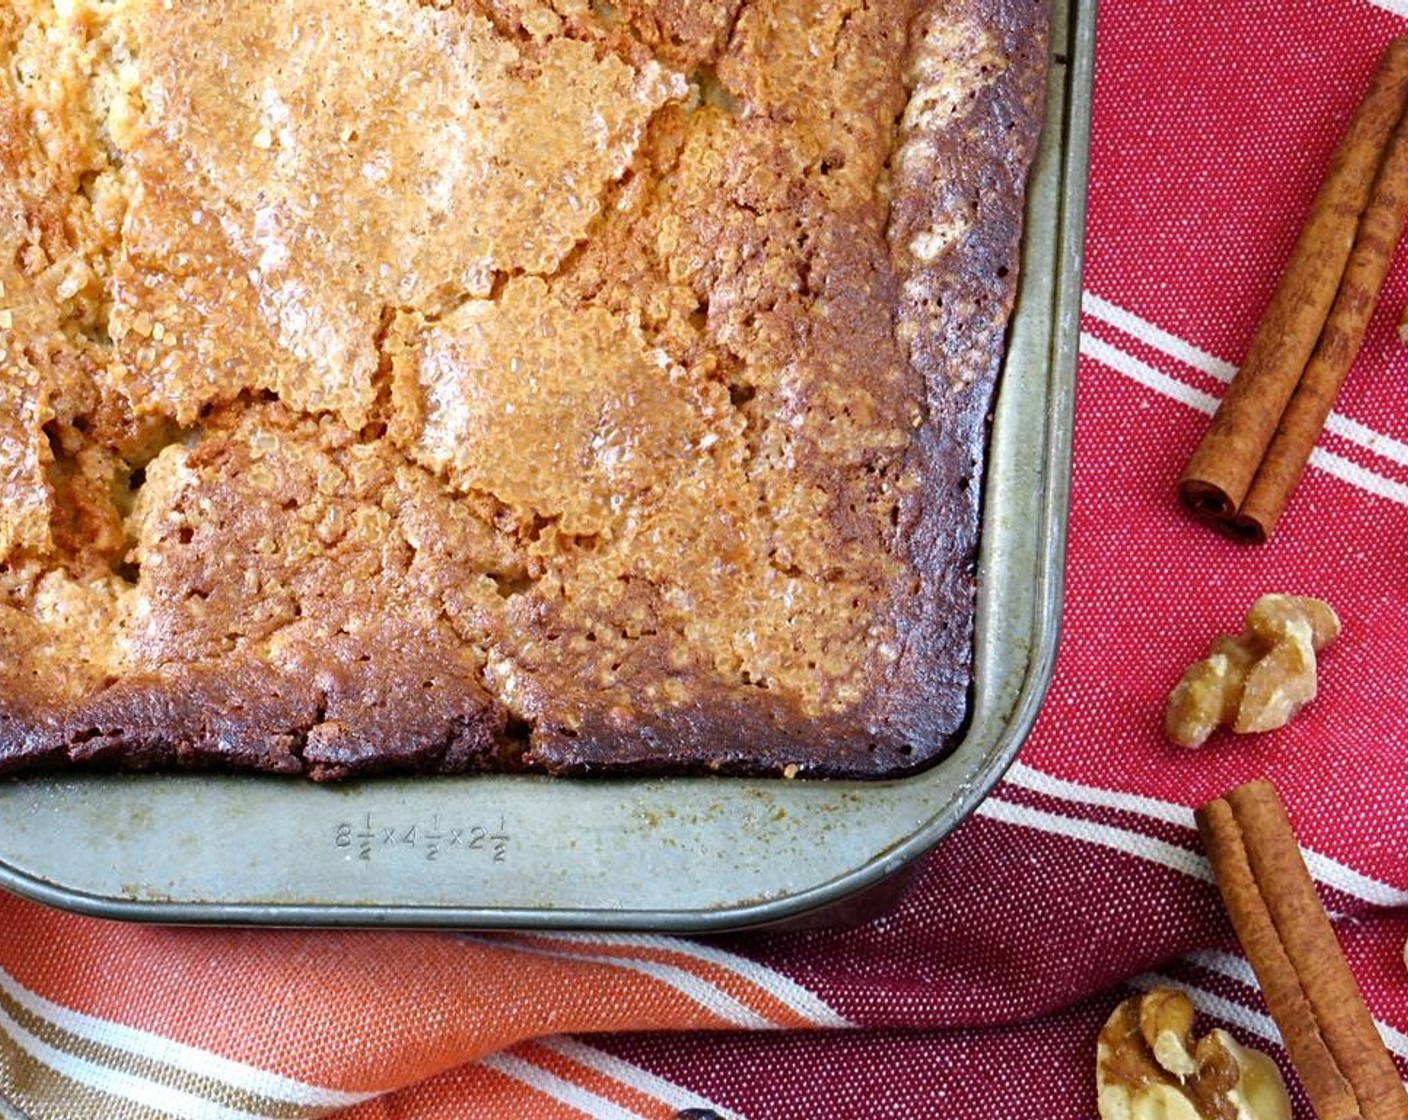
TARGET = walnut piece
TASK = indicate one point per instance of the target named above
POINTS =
(1148, 1067)
(1259, 680)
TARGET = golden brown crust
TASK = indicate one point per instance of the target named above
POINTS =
(582, 388)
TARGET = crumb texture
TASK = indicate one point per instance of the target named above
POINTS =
(500, 384)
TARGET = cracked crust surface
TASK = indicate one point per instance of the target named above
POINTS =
(500, 384)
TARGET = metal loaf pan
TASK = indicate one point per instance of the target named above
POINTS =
(687, 855)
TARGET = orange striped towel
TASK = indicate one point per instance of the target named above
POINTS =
(100, 1019)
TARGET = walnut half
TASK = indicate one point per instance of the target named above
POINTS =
(1259, 680)
(1148, 1067)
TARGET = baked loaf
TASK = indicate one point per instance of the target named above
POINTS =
(500, 384)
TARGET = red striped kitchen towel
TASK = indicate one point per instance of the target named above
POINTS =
(1080, 879)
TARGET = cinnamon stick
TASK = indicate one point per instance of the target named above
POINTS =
(1310, 991)
(1220, 472)
(1379, 231)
